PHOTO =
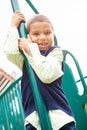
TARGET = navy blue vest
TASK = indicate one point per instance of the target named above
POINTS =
(52, 93)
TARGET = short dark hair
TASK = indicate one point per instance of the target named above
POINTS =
(38, 18)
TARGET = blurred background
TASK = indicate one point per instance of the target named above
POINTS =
(69, 18)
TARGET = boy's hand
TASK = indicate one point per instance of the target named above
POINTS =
(17, 18)
(23, 44)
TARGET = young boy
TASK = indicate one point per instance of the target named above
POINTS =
(46, 61)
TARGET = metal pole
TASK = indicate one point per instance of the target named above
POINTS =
(39, 102)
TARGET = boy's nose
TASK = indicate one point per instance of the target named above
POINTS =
(42, 36)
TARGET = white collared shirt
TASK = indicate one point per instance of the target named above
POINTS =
(47, 68)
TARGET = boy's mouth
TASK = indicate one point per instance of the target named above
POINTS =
(42, 44)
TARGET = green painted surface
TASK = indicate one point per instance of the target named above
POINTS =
(77, 102)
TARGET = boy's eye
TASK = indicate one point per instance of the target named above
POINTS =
(47, 33)
(35, 34)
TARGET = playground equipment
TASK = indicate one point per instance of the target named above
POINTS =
(10, 99)
(77, 102)
(11, 111)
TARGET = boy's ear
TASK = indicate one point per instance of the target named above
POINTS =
(28, 35)
(29, 38)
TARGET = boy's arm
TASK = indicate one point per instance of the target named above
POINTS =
(11, 47)
(11, 43)
(47, 68)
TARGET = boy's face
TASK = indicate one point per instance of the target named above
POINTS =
(42, 34)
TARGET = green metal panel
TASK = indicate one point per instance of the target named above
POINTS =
(77, 102)
(11, 111)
